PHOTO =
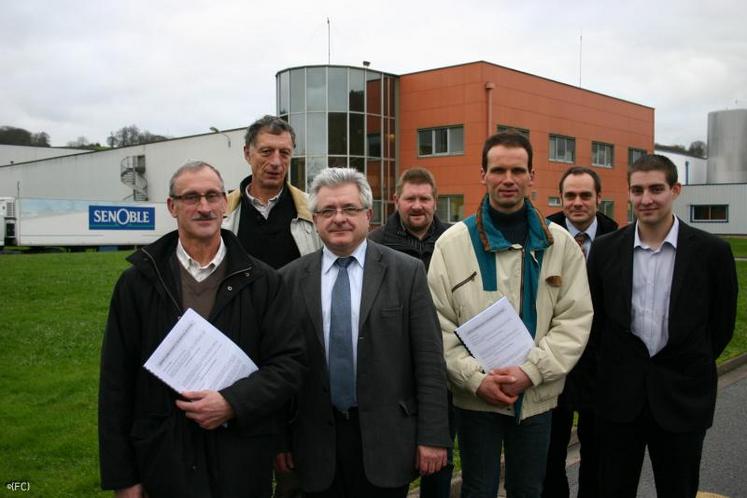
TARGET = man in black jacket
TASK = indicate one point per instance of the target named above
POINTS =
(159, 443)
(580, 191)
(665, 297)
(413, 229)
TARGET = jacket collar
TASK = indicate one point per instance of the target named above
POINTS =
(156, 256)
(538, 238)
(299, 197)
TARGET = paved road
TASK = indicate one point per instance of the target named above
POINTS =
(724, 465)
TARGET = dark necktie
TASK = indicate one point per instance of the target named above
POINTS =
(341, 370)
(581, 237)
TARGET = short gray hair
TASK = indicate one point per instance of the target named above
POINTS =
(270, 124)
(191, 167)
(333, 177)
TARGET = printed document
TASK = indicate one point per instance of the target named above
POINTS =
(196, 356)
(496, 336)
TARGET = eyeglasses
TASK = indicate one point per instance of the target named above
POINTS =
(193, 198)
(347, 211)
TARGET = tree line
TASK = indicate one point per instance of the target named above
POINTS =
(127, 135)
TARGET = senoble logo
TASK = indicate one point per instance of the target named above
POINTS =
(121, 218)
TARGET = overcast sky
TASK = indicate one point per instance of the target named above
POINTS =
(86, 68)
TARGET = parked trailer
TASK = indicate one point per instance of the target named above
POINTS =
(39, 222)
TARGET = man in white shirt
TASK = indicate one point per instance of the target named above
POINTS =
(664, 297)
(581, 195)
(372, 410)
(158, 443)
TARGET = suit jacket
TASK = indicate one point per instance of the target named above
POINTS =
(401, 377)
(679, 382)
(579, 385)
(605, 224)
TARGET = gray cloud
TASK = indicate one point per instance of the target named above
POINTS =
(86, 68)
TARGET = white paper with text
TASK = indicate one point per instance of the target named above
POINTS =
(196, 356)
(496, 336)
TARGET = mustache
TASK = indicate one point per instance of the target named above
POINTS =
(207, 217)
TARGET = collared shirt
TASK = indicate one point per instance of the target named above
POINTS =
(264, 209)
(652, 287)
(591, 231)
(355, 275)
(194, 268)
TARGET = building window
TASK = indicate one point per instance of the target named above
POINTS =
(602, 154)
(553, 201)
(451, 208)
(634, 155)
(562, 149)
(446, 141)
(710, 213)
(607, 208)
(516, 129)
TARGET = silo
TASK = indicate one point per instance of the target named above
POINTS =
(727, 146)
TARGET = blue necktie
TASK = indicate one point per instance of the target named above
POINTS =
(341, 370)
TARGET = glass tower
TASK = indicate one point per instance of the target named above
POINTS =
(343, 117)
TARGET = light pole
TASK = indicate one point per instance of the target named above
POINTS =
(216, 130)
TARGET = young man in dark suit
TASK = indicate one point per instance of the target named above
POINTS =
(664, 297)
(581, 194)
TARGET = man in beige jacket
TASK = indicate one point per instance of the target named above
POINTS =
(508, 249)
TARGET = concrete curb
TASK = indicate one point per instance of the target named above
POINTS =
(456, 481)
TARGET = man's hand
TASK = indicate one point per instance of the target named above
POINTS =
(429, 459)
(284, 462)
(136, 491)
(493, 389)
(522, 383)
(208, 408)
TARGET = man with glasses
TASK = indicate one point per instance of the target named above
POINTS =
(270, 216)
(372, 410)
(154, 441)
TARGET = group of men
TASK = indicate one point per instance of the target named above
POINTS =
(361, 382)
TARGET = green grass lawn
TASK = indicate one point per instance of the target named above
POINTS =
(51, 322)
(738, 246)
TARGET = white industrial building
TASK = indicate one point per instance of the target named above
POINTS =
(51, 201)
(718, 204)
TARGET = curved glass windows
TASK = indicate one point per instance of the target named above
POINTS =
(343, 117)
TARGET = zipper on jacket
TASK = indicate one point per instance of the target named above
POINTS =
(521, 286)
(163, 283)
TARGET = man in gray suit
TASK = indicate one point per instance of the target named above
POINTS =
(372, 411)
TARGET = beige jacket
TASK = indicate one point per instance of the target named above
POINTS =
(563, 307)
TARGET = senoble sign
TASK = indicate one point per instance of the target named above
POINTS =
(121, 218)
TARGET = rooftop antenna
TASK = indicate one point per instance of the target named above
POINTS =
(329, 57)
(580, 53)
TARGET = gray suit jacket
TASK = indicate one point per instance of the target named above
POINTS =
(401, 377)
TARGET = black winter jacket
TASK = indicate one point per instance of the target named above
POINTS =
(143, 437)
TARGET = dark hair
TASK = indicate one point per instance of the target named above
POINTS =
(581, 170)
(655, 162)
(510, 139)
(269, 124)
(416, 176)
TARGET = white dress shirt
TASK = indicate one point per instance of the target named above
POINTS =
(198, 272)
(591, 231)
(263, 208)
(652, 287)
(355, 275)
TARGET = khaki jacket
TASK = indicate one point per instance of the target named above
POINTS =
(563, 312)
(301, 227)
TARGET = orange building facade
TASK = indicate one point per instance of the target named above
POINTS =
(439, 119)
